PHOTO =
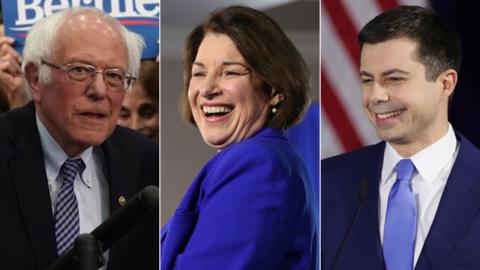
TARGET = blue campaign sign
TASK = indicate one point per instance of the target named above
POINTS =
(140, 16)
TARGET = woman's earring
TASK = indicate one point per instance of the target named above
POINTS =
(274, 110)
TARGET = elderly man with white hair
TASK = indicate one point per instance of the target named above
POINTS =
(65, 165)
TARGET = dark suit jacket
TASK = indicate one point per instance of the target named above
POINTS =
(251, 207)
(27, 224)
(453, 241)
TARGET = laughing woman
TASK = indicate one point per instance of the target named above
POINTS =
(252, 205)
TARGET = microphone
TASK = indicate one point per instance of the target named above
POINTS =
(143, 205)
(362, 197)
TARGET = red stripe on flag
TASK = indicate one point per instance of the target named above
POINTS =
(345, 28)
(338, 117)
(387, 4)
(138, 22)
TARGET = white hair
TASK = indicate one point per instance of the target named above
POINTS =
(42, 36)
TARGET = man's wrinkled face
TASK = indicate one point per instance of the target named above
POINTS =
(80, 115)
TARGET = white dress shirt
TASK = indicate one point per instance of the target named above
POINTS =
(433, 165)
(90, 185)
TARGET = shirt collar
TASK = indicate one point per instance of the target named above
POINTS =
(428, 162)
(54, 156)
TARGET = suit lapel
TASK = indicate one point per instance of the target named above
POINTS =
(367, 228)
(362, 246)
(459, 202)
(121, 184)
(118, 173)
(30, 181)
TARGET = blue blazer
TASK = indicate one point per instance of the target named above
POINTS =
(250, 207)
(453, 241)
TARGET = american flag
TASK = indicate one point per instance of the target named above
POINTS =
(344, 124)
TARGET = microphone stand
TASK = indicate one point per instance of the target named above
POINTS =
(362, 196)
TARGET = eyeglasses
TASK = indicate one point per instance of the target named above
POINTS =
(115, 79)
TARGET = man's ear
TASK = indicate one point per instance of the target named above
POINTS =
(32, 77)
(275, 97)
(448, 80)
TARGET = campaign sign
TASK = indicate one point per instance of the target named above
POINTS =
(140, 16)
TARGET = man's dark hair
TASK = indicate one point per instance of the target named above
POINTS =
(438, 44)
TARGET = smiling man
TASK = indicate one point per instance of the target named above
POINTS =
(410, 201)
(65, 165)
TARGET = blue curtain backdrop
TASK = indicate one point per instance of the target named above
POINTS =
(305, 137)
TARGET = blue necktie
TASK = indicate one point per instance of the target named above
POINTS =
(400, 221)
(67, 225)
